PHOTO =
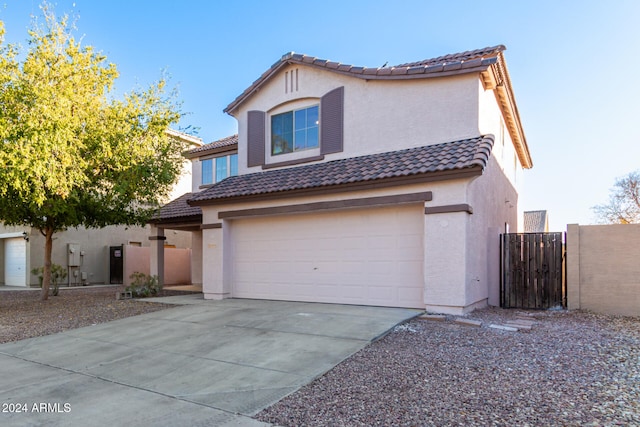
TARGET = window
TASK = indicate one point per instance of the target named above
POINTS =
(221, 168)
(225, 166)
(207, 171)
(328, 132)
(233, 165)
(294, 130)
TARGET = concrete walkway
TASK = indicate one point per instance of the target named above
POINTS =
(211, 363)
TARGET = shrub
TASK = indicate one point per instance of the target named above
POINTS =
(58, 274)
(143, 285)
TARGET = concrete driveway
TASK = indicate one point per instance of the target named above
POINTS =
(203, 363)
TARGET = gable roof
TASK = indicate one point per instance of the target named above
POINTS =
(489, 62)
(457, 63)
(454, 159)
(224, 144)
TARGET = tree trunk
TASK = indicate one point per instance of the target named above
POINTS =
(46, 274)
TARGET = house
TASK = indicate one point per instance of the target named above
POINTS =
(536, 221)
(90, 256)
(377, 186)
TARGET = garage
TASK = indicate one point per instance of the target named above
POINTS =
(15, 262)
(371, 256)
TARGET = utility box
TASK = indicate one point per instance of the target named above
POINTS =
(74, 254)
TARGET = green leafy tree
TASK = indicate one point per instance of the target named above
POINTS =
(71, 154)
(624, 202)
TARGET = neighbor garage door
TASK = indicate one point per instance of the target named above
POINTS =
(15, 262)
(365, 256)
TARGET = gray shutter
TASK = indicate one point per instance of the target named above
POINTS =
(332, 121)
(255, 138)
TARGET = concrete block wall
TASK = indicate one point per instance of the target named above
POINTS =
(603, 268)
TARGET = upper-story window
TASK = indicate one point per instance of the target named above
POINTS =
(216, 169)
(318, 128)
(294, 130)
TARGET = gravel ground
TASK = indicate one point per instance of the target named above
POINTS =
(570, 369)
(23, 315)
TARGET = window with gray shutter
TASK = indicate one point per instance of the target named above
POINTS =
(332, 121)
(255, 138)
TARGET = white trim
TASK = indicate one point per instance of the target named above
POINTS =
(12, 235)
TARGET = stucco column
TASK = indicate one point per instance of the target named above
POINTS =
(196, 258)
(573, 267)
(156, 253)
(213, 285)
(445, 262)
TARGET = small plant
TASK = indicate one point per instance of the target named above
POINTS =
(143, 285)
(58, 274)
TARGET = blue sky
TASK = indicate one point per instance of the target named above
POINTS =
(574, 66)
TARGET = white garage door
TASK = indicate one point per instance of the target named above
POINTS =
(364, 256)
(15, 262)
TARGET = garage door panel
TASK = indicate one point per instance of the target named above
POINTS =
(15, 259)
(366, 256)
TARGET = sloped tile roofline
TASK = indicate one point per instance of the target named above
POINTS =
(466, 157)
(177, 209)
(456, 63)
(229, 142)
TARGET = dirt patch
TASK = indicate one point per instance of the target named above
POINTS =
(23, 315)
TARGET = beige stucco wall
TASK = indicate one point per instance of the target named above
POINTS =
(461, 250)
(177, 264)
(136, 260)
(379, 116)
(184, 184)
(95, 244)
(603, 268)
(495, 208)
(196, 173)
(490, 121)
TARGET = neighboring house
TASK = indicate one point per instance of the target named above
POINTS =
(377, 186)
(90, 256)
(536, 222)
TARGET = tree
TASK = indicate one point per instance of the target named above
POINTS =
(624, 202)
(71, 154)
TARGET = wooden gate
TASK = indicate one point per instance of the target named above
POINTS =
(532, 271)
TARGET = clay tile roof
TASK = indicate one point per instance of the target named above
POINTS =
(177, 209)
(227, 142)
(450, 156)
(458, 57)
(453, 63)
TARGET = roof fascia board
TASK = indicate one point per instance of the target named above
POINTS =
(367, 202)
(497, 78)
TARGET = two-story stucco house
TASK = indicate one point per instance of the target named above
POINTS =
(377, 186)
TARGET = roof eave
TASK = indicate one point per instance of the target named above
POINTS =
(496, 78)
(192, 155)
(468, 172)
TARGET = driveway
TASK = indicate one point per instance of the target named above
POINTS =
(202, 363)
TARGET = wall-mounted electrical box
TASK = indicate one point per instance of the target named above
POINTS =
(74, 254)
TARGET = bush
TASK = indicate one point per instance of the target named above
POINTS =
(58, 274)
(143, 285)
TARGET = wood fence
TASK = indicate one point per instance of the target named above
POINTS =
(532, 271)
